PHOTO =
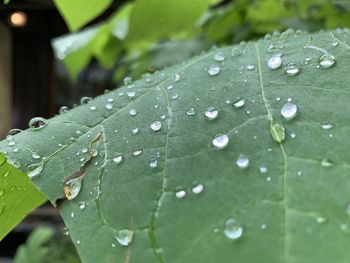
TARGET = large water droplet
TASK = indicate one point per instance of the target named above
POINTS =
(211, 113)
(124, 237)
(213, 70)
(327, 60)
(72, 187)
(277, 132)
(220, 141)
(156, 126)
(289, 111)
(37, 123)
(14, 132)
(242, 162)
(219, 56)
(274, 62)
(233, 229)
(127, 81)
(291, 69)
(35, 170)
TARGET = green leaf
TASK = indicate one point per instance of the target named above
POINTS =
(180, 188)
(78, 13)
(153, 19)
(35, 250)
(18, 196)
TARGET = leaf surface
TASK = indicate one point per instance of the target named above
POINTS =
(167, 194)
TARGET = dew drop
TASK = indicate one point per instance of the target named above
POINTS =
(213, 70)
(72, 187)
(263, 169)
(242, 162)
(127, 81)
(137, 152)
(153, 163)
(250, 67)
(263, 226)
(118, 158)
(124, 237)
(211, 113)
(219, 56)
(36, 156)
(326, 163)
(85, 100)
(156, 126)
(14, 132)
(37, 123)
(180, 194)
(197, 189)
(327, 126)
(92, 108)
(63, 109)
(238, 102)
(321, 220)
(191, 112)
(289, 111)
(133, 112)
(82, 205)
(327, 60)
(131, 94)
(35, 171)
(220, 141)
(275, 61)
(291, 69)
(277, 132)
(135, 130)
(233, 229)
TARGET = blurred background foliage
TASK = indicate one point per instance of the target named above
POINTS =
(105, 41)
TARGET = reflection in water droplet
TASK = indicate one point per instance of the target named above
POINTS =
(238, 102)
(197, 189)
(219, 56)
(37, 123)
(124, 237)
(211, 113)
(213, 70)
(291, 69)
(35, 170)
(242, 161)
(220, 141)
(233, 229)
(327, 60)
(289, 111)
(156, 126)
(275, 61)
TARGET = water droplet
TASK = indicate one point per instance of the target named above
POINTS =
(93, 152)
(131, 94)
(85, 100)
(137, 152)
(118, 158)
(327, 126)
(345, 229)
(135, 131)
(153, 163)
(84, 150)
(250, 67)
(124, 237)
(109, 106)
(293, 135)
(197, 189)
(156, 126)
(220, 141)
(82, 205)
(321, 220)
(211, 113)
(291, 69)
(263, 169)
(63, 109)
(213, 70)
(37, 123)
(242, 162)
(176, 77)
(277, 132)
(175, 96)
(72, 187)
(92, 108)
(327, 60)
(233, 229)
(219, 56)
(191, 112)
(133, 112)
(35, 170)
(326, 163)
(36, 156)
(14, 132)
(180, 194)
(238, 102)
(289, 111)
(263, 226)
(72, 214)
(275, 61)
(127, 81)
(170, 87)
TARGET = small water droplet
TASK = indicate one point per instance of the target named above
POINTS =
(127, 81)
(180, 194)
(175, 96)
(153, 163)
(274, 61)
(93, 152)
(191, 112)
(36, 156)
(250, 67)
(213, 70)
(35, 170)
(156, 126)
(321, 220)
(118, 158)
(220, 141)
(211, 113)
(277, 132)
(133, 112)
(137, 152)
(263, 226)
(242, 161)
(63, 109)
(326, 163)
(14, 132)
(289, 111)
(135, 130)
(124, 237)
(92, 108)
(197, 188)
(327, 126)
(37, 123)
(72, 214)
(219, 56)
(291, 69)
(233, 229)
(109, 106)
(131, 94)
(263, 169)
(2, 192)
(238, 102)
(176, 77)
(85, 100)
(327, 60)
(82, 205)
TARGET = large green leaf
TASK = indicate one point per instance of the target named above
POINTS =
(78, 13)
(18, 196)
(180, 197)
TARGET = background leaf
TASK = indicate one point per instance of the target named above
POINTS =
(18, 196)
(78, 13)
(160, 184)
